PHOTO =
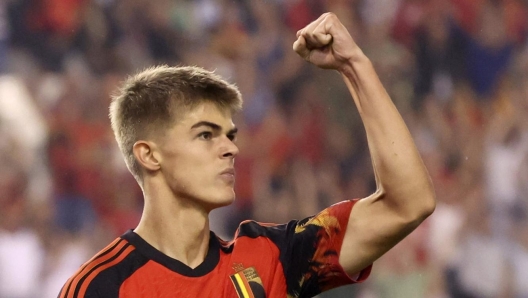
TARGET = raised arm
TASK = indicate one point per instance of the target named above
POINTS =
(404, 195)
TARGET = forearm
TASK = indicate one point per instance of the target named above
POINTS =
(401, 176)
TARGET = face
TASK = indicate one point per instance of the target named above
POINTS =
(197, 157)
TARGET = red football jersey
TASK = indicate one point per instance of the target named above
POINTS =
(298, 259)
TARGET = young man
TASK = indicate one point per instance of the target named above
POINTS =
(174, 128)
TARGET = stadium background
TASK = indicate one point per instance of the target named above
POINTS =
(456, 69)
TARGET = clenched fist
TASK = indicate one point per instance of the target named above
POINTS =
(326, 43)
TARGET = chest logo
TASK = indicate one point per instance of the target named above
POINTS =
(248, 283)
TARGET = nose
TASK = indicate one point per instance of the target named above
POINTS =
(230, 149)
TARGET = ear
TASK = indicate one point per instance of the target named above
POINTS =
(145, 153)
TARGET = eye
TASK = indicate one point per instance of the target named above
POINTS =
(206, 135)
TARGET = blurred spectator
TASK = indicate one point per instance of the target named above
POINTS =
(4, 35)
(506, 148)
(489, 31)
(22, 121)
(21, 252)
(471, 276)
(518, 255)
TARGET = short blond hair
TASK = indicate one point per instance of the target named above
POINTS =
(149, 102)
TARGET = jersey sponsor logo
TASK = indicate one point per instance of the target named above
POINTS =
(248, 283)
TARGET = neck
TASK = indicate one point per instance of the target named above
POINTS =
(179, 230)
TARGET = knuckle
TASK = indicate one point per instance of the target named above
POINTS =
(330, 15)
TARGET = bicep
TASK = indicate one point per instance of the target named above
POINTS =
(373, 228)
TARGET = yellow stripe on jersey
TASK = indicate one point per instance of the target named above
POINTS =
(242, 286)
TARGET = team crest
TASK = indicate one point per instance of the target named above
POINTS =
(248, 284)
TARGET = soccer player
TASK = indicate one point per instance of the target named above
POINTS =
(174, 127)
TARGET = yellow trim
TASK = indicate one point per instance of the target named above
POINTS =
(242, 286)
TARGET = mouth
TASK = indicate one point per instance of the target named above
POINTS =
(230, 171)
(228, 175)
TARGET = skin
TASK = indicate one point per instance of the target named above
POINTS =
(182, 178)
(188, 171)
(404, 195)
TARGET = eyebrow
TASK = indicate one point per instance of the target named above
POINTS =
(214, 126)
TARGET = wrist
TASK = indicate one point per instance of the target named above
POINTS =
(356, 62)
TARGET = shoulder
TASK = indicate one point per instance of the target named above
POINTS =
(103, 274)
(334, 216)
(254, 229)
(249, 232)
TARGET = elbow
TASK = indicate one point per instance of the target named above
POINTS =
(425, 201)
(413, 207)
(429, 201)
(418, 215)
(421, 210)
(427, 207)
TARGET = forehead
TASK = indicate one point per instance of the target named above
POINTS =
(206, 111)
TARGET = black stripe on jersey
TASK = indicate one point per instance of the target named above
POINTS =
(81, 281)
(108, 282)
(94, 259)
(237, 286)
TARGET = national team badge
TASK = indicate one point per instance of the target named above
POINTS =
(248, 284)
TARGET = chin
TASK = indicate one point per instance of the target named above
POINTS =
(222, 201)
(228, 200)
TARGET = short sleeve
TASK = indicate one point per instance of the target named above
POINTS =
(309, 251)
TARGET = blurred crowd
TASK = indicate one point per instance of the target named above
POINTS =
(457, 70)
